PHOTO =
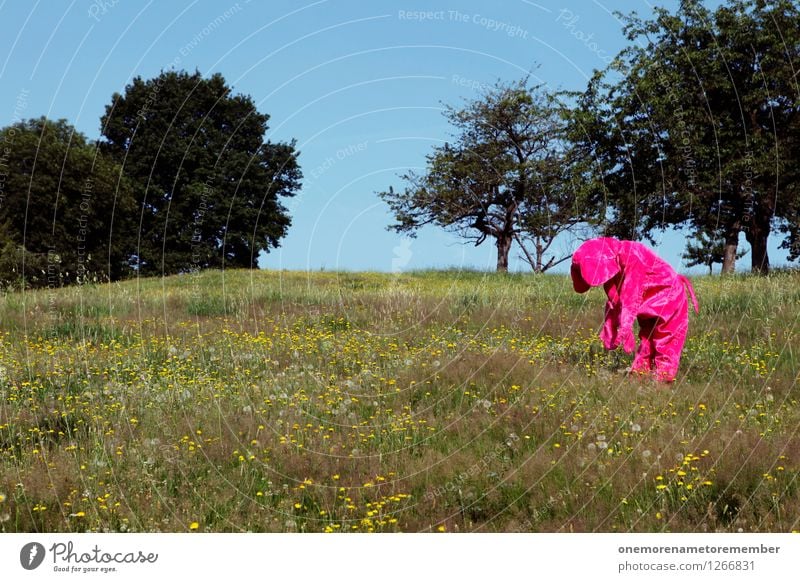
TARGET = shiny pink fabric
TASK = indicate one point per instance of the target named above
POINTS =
(640, 286)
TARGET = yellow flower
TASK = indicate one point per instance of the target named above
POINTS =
(658, 515)
(194, 525)
(441, 528)
(2, 497)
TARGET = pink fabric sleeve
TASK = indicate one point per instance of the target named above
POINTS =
(630, 296)
(608, 335)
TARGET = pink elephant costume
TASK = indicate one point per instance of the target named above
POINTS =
(641, 286)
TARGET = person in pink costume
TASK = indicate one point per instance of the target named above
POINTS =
(640, 286)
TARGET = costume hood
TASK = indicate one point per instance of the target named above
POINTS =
(594, 263)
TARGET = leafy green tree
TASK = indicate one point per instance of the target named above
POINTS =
(502, 177)
(64, 210)
(208, 185)
(696, 124)
(707, 248)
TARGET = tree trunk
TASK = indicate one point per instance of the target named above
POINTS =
(503, 250)
(762, 210)
(759, 254)
(729, 257)
(530, 260)
(539, 257)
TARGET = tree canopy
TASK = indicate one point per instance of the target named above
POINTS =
(64, 210)
(696, 125)
(503, 176)
(208, 186)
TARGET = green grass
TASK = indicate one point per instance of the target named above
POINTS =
(430, 401)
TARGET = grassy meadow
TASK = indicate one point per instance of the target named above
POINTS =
(361, 402)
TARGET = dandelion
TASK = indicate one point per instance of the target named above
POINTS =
(2, 497)
(636, 428)
(441, 528)
(194, 525)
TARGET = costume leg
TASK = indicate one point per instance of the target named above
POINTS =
(668, 339)
(644, 361)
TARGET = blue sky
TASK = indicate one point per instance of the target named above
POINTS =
(360, 86)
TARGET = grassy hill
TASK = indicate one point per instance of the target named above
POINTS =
(433, 401)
